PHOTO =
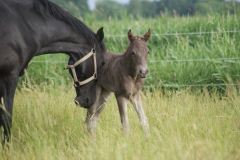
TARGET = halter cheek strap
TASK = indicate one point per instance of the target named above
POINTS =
(72, 67)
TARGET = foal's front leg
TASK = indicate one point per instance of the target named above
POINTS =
(137, 103)
(94, 112)
(122, 107)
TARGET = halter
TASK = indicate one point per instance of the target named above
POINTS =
(72, 67)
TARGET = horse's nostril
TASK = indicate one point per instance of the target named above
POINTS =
(144, 71)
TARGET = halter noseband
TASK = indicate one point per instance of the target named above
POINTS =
(72, 67)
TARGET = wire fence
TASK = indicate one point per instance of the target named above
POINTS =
(178, 60)
(180, 34)
(190, 85)
(171, 85)
(159, 61)
(196, 60)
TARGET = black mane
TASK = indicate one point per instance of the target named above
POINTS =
(46, 8)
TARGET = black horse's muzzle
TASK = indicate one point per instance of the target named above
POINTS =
(84, 102)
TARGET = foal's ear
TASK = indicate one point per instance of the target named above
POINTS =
(100, 34)
(130, 36)
(147, 35)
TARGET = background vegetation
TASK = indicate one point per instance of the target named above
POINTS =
(184, 51)
(105, 9)
(188, 49)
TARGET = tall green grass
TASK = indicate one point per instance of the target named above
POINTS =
(183, 124)
(47, 125)
(163, 47)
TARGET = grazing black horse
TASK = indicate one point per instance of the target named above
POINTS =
(30, 28)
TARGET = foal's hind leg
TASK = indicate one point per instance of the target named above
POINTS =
(137, 103)
(94, 112)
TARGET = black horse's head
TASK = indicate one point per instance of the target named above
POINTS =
(84, 70)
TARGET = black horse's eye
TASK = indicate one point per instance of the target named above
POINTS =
(132, 53)
(148, 52)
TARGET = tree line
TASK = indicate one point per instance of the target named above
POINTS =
(106, 9)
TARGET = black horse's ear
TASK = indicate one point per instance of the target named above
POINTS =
(100, 34)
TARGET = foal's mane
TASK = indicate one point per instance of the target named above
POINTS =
(45, 8)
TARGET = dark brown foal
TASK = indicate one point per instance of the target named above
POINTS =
(123, 75)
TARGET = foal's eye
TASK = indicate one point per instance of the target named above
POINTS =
(148, 52)
(132, 53)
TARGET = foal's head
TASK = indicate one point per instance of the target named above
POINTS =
(138, 52)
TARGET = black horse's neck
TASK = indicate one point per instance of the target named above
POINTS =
(65, 33)
(48, 9)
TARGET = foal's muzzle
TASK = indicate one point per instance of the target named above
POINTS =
(143, 73)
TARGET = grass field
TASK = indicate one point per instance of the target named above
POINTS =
(183, 125)
(185, 122)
